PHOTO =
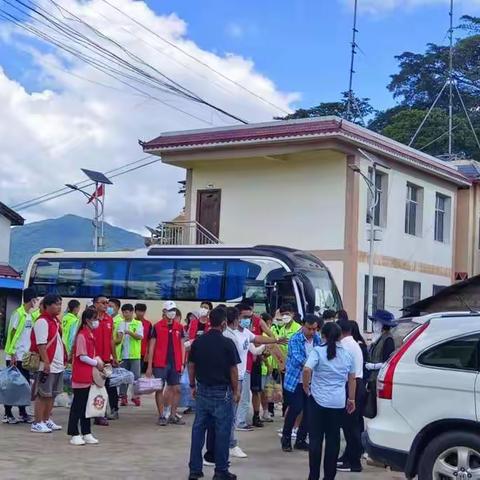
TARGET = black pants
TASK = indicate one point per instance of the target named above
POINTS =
(353, 427)
(77, 412)
(297, 403)
(324, 422)
(112, 396)
(22, 410)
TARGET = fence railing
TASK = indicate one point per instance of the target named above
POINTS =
(181, 233)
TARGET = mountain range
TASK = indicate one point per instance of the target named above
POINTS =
(70, 232)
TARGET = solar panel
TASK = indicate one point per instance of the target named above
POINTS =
(97, 177)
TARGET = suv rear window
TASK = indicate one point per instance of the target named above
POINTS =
(403, 329)
(458, 354)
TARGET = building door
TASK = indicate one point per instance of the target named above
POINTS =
(208, 214)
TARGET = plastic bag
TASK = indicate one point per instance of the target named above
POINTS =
(14, 388)
(186, 399)
(97, 402)
(121, 376)
(145, 386)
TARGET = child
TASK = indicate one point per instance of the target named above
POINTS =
(83, 363)
(131, 334)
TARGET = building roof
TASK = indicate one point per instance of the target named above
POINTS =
(8, 271)
(14, 217)
(470, 169)
(297, 131)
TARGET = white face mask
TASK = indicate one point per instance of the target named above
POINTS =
(204, 312)
(286, 319)
(171, 315)
(95, 324)
(376, 330)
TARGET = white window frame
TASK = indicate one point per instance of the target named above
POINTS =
(417, 203)
(442, 233)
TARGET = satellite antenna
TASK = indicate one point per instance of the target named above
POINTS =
(452, 88)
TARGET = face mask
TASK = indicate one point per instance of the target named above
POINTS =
(95, 324)
(204, 312)
(286, 319)
(110, 311)
(377, 331)
(245, 322)
(171, 315)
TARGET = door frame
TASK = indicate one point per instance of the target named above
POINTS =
(197, 215)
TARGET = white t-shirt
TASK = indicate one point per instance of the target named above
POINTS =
(23, 344)
(41, 335)
(351, 346)
(244, 339)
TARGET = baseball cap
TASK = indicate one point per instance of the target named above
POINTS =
(169, 305)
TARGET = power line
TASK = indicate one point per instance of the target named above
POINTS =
(201, 62)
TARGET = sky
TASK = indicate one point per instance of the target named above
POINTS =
(60, 115)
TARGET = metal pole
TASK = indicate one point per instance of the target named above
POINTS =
(352, 61)
(373, 202)
(95, 222)
(450, 84)
(102, 224)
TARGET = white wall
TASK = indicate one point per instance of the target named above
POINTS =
(4, 239)
(396, 243)
(299, 202)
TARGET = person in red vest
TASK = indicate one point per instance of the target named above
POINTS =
(84, 360)
(46, 340)
(199, 323)
(165, 361)
(140, 311)
(105, 348)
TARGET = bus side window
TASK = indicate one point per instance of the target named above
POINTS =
(44, 277)
(70, 276)
(105, 277)
(150, 279)
(199, 280)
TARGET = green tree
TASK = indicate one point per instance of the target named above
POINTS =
(361, 110)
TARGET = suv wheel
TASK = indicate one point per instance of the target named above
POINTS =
(451, 456)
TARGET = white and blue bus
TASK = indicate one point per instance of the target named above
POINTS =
(270, 275)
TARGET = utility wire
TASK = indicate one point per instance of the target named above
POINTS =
(201, 62)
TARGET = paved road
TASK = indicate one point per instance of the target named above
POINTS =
(135, 448)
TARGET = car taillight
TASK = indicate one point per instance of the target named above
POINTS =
(385, 378)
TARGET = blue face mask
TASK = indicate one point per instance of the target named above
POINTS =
(245, 322)
(110, 311)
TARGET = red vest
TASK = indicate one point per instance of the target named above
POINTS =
(53, 328)
(256, 330)
(103, 338)
(146, 336)
(81, 372)
(193, 329)
(161, 347)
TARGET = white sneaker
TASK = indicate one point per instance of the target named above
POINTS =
(208, 464)
(237, 452)
(53, 426)
(77, 440)
(90, 439)
(40, 427)
(266, 418)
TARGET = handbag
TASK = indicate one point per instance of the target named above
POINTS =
(31, 360)
(97, 402)
(145, 386)
(370, 407)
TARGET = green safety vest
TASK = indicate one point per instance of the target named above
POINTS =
(117, 320)
(135, 345)
(12, 340)
(35, 315)
(69, 327)
(293, 328)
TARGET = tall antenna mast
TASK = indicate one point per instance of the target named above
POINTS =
(450, 84)
(351, 100)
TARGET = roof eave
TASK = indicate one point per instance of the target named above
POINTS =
(15, 218)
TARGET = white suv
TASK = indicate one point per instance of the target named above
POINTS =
(428, 405)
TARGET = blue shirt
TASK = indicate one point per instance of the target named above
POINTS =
(329, 376)
(296, 357)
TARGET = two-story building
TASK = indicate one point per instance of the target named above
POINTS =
(10, 282)
(294, 183)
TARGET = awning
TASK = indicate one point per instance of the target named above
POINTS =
(11, 283)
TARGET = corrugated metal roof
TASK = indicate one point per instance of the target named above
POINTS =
(8, 271)
(471, 170)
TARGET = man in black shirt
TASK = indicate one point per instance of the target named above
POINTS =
(213, 376)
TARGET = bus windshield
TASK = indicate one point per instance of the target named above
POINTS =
(323, 292)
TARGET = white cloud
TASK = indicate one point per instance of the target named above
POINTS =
(386, 6)
(69, 123)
